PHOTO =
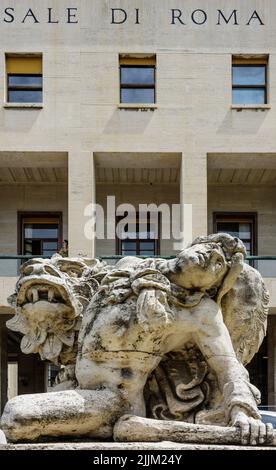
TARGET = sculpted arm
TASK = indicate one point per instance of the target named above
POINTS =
(213, 339)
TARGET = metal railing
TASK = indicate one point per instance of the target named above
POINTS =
(10, 264)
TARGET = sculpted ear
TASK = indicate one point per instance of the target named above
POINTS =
(236, 267)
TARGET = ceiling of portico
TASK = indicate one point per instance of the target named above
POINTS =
(137, 175)
(245, 169)
(29, 175)
(137, 167)
(260, 176)
(33, 167)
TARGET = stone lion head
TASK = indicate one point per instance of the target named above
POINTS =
(49, 299)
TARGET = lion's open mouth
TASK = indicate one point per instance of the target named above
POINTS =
(33, 289)
(38, 292)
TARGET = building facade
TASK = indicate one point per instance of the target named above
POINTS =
(167, 102)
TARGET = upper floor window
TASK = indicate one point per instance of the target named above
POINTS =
(24, 79)
(249, 81)
(137, 80)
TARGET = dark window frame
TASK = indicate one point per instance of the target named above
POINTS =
(138, 85)
(24, 87)
(138, 240)
(252, 87)
(40, 215)
(240, 217)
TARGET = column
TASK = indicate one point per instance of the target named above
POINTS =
(81, 193)
(193, 190)
(3, 362)
(271, 345)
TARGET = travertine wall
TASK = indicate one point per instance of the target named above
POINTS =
(81, 84)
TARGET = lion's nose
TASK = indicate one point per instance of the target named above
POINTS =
(38, 269)
(34, 269)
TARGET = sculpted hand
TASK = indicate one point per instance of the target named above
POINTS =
(253, 431)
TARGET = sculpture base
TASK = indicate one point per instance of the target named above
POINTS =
(128, 446)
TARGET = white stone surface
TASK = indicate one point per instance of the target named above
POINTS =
(3, 439)
(162, 339)
(129, 446)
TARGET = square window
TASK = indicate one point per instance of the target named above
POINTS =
(249, 83)
(137, 81)
(24, 79)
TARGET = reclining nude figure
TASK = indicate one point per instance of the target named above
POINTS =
(153, 338)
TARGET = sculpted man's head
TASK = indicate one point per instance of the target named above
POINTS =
(199, 267)
(210, 262)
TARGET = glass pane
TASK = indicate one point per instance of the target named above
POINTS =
(137, 75)
(147, 246)
(21, 80)
(41, 231)
(137, 95)
(245, 231)
(25, 96)
(49, 253)
(49, 245)
(249, 75)
(49, 248)
(32, 247)
(248, 96)
(128, 245)
(228, 227)
(129, 253)
(248, 247)
(147, 252)
(52, 373)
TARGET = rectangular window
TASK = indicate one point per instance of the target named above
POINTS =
(142, 235)
(137, 80)
(249, 82)
(24, 79)
(241, 225)
(40, 235)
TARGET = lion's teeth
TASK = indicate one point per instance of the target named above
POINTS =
(29, 295)
(51, 294)
(35, 295)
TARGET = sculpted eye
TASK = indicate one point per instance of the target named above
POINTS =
(74, 272)
(71, 269)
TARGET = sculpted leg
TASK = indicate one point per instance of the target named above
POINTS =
(74, 413)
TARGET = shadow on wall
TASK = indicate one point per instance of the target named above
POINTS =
(129, 121)
(19, 120)
(247, 121)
